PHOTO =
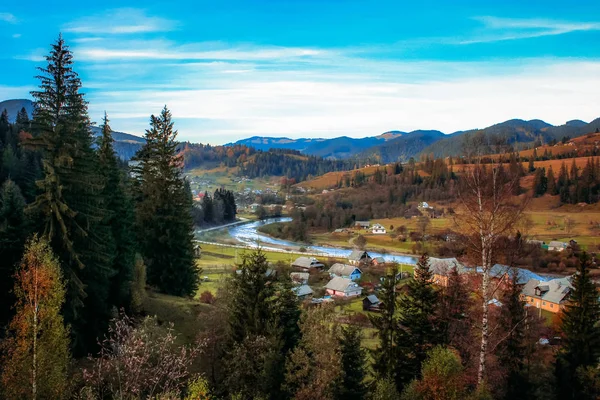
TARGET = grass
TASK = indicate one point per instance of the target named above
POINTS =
(212, 179)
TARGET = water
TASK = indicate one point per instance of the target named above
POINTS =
(248, 235)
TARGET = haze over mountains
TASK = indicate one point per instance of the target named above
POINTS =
(385, 148)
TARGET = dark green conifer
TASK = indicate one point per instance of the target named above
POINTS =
(164, 211)
(581, 334)
(353, 364)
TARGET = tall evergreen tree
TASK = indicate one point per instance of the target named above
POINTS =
(70, 200)
(386, 324)
(164, 211)
(353, 364)
(13, 233)
(512, 351)
(551, 182)
(454, 305)
(119, 217)
(418, 321)
(581, 335)
(251, 298)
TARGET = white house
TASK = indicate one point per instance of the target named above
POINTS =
(342, 287)
(555, 245)
(378, 229)
(345, 271)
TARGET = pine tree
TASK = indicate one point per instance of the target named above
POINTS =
(512, 351)
(581, 334)
(539, 182)
(418, 321)
(120, 218)
(164, 211)
(37, 351)
(551, 182)
(13, 233)
(251, 296)
(454, 304)
(353, 364)
(70, 199)
(386, 325)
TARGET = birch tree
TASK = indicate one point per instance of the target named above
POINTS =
(36, 354)
(487, 212)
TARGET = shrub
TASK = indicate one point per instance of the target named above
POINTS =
(207, 297)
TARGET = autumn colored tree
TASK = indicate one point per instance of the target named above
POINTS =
(36, 352)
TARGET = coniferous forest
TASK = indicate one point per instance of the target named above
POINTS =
(86, 242)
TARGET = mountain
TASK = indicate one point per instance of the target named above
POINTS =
(401, 147)
(515, 132)
(126, 145)
(340, 147)
(14, 106)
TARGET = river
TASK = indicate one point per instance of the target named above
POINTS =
(248, 235)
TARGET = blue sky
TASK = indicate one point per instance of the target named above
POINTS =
(316, 68)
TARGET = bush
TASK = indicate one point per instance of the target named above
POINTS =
(207, 297)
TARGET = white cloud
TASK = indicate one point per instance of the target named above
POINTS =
(8, 17)
(120, 21)
(300, 103)
(502, 29)
(16, 35)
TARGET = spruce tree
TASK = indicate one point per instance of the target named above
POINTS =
(418, 320)
(386, 325)
(581, 335)
(70, 200)
(119, 217)
(353, 364)
(453, 310)
(164, 211)
(251, 298)
(512, 350)
(551, 182)
(14, 230)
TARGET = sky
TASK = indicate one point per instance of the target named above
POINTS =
(231, 69)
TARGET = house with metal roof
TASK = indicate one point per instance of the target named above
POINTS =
(549, 295)
(555, 245)
(345, 271)
(371, 303)
(500, 272)
(303, 291)
(378, 229)
(358, 257)
(362, 224)
(343, 287)
(308, 263)
(441, 267)
(299, 277)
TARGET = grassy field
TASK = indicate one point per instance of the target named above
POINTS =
(212, 179)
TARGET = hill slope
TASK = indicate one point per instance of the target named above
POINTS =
(402, 147)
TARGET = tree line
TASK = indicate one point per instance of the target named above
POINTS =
(218, 209)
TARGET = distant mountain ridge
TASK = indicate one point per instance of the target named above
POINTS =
(400, 146)
(126, 145)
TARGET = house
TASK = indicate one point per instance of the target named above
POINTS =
(371, 303)
(550, 296)
(378, 261)
(555, 245)
(362, 224)
(299, 277)
(378, 229)
(303, 292)
(441, 267)
(358, 257)
(343, 287)
(308, 264)
(504, 273)
(345, 271)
